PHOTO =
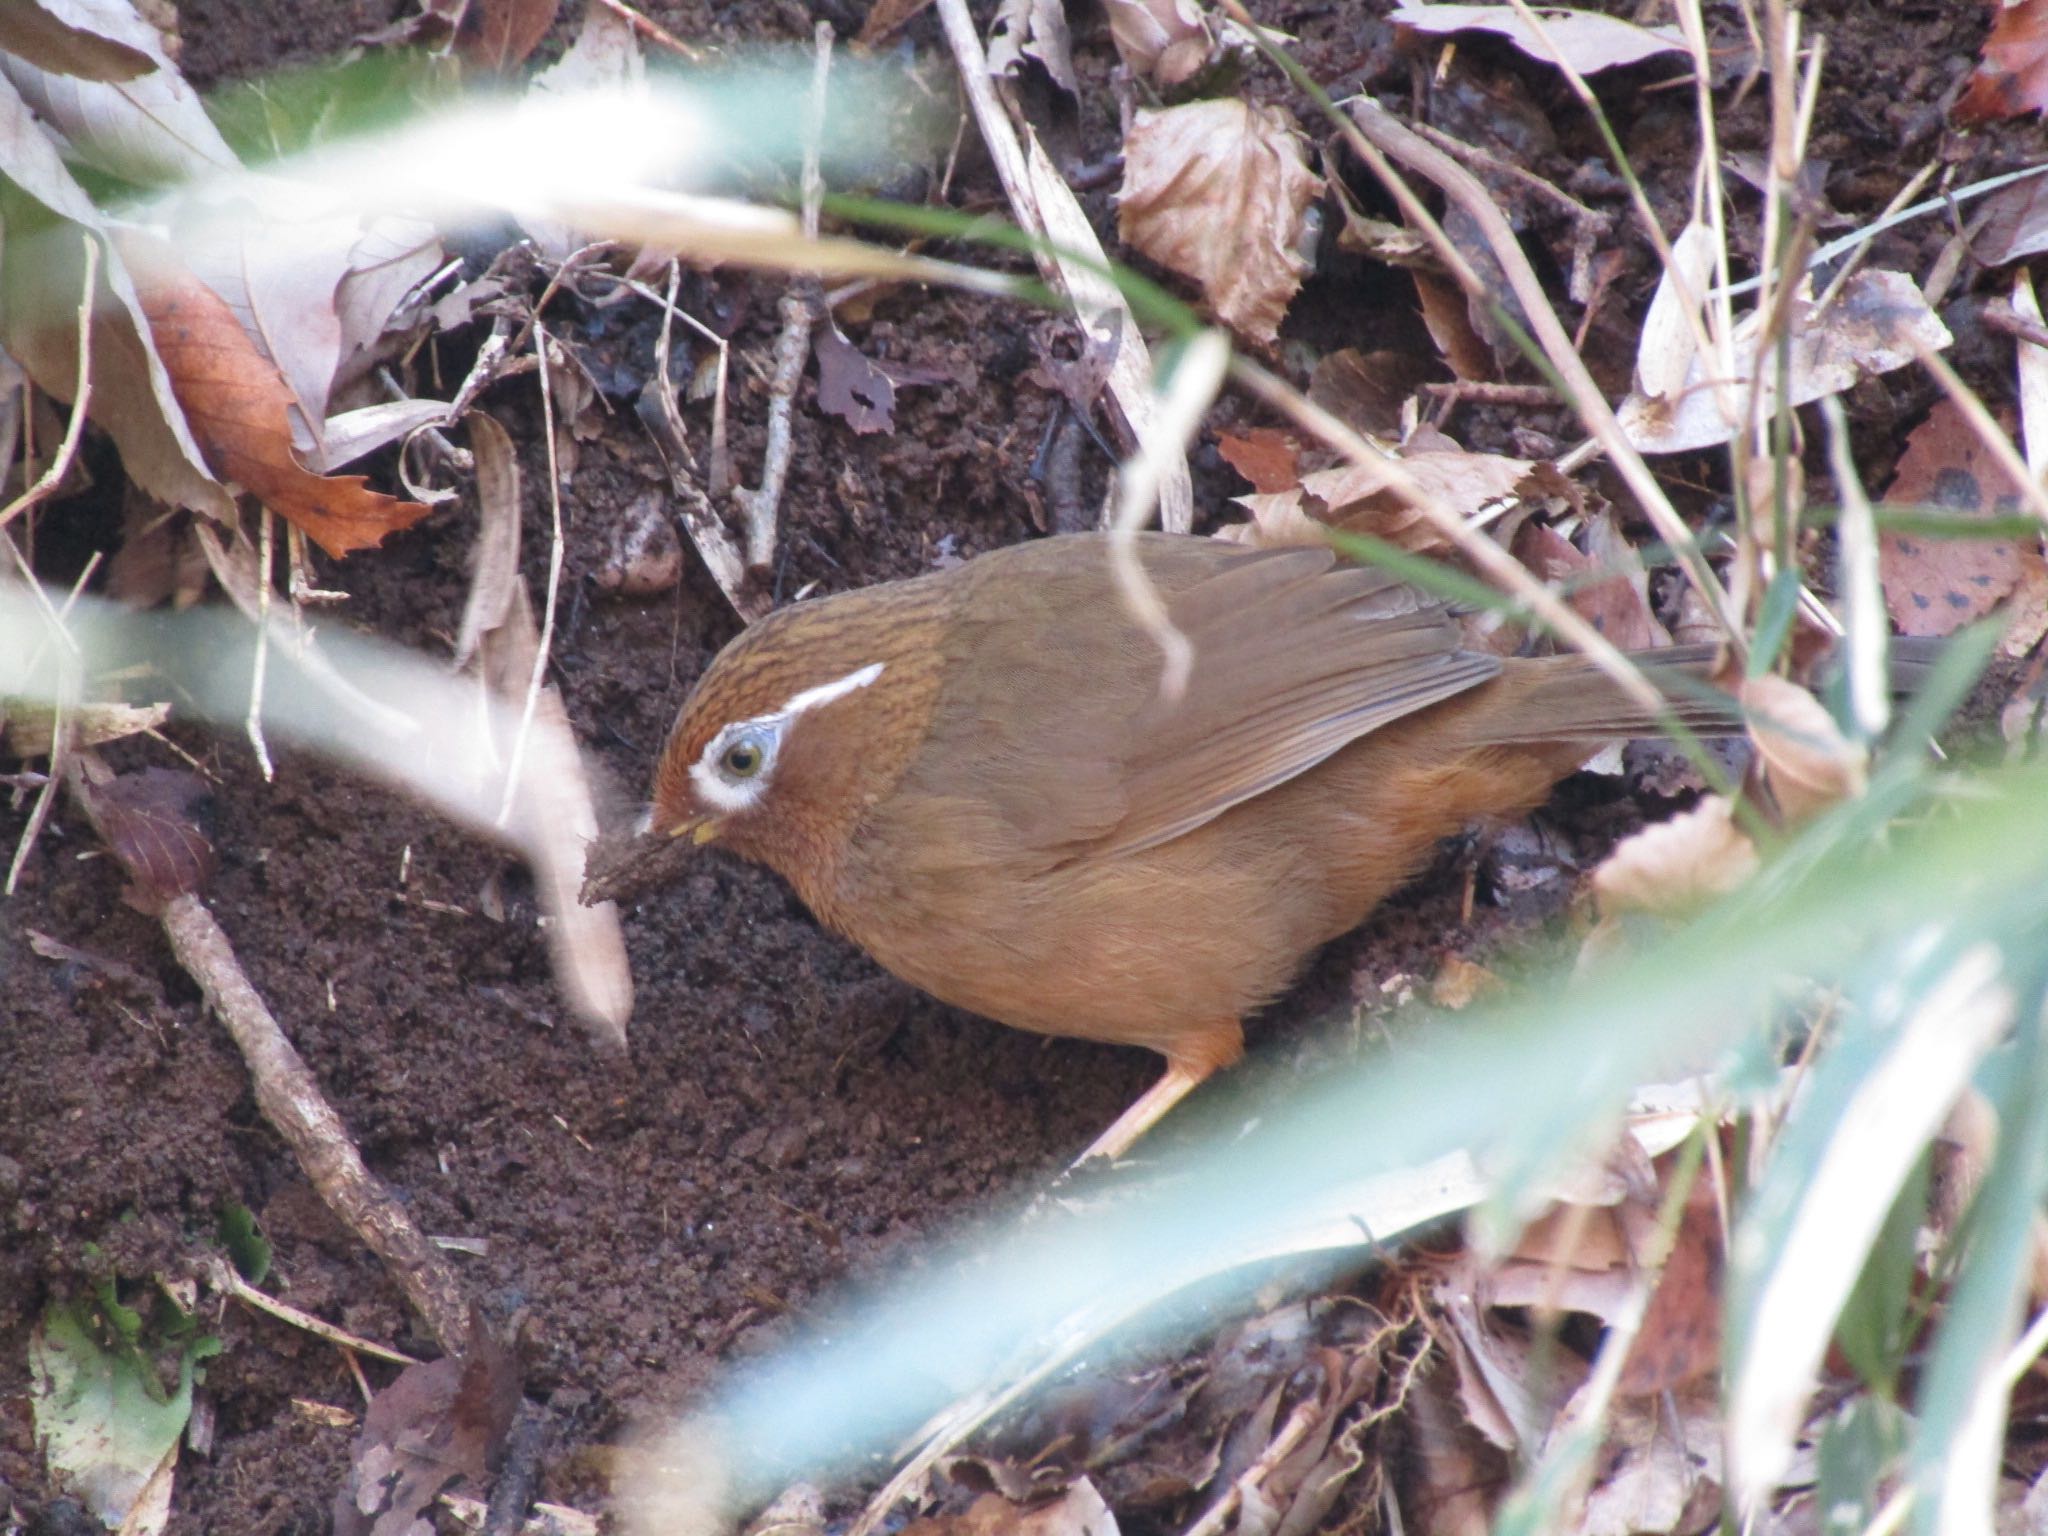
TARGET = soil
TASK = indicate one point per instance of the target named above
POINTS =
(790, 1119)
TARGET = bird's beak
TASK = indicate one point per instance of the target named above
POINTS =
(623, 865)
(698, 829)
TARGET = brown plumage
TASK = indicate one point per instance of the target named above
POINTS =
(973, 776)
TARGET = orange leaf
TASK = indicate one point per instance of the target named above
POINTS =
(237, 404)
(2012, 77)
(1266, 456)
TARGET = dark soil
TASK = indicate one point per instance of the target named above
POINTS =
(789, 1117)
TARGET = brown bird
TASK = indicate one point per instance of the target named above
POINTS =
(973, 775)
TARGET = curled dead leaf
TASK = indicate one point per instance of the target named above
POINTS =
(1807, 761)
(1219, 191)
(152, 821)
(1677, 865)
(238, 406)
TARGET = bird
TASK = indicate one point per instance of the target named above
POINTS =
(977, 777)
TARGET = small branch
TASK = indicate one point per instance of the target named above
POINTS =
(291, 1101)
(800, 309)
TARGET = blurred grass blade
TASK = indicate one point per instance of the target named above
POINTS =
(1962, 1398)
(1873, 1103)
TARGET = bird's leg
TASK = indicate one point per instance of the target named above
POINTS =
(1146, 1111)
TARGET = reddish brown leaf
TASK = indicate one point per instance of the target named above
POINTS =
(2012, 77)
(236, 403)
(1935, 586)
(1269, 457)
(1679, 1338)
(497, 35)
(151, 821)
(851, 386)
(438, 1424)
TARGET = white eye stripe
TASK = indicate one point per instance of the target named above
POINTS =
(838, 688)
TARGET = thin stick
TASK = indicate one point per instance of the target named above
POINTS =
(252, 722)
(225, 1279)
(74, 428)
(800, 308)
(538, 675)
(291, 1101)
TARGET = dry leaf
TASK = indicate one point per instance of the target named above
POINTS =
(1585, 40)
(2015, 223)
(1677, 865)
(1615, 604)
(1669, 342)
(1269, 457)
(496, 36)
(1878, 323)
(1807, 761)
(887, 16)
(2012, 76)
(1366, 390)
(30, 32)
(151, 821)
(238, 406)
(1459, 983)
(437, 1424)
(1219, 191)
(1165, 41)
(850, 385)
(1934, 586)
(1037, 30)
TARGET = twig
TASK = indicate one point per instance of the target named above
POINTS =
(538, 674)
(224, 1278)
(74, 428)
(800, 308)
(654, 31)
(291, 1101)
(252, 722)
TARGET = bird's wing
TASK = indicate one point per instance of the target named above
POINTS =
(1294, 657)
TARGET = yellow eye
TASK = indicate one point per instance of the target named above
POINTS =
(743, 759)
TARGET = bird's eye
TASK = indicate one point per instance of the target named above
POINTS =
(743, 759)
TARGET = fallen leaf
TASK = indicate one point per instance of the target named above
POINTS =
(31, 32)
(2015, 223)
(496, 36)
(1585, 40)
(1036, 30)
(150, 130)
(1365, 390)
(1609, 593)
(438, 1424)
(1269, 457)
(1934, 586)
(851, 386)
(1878, 322)
(1459, 983)
(1672, 325)
(1677, 865)
(1807, 761)
(238, 406)
(1219, 191)
(2011, 77)
(152, 823)
(1165, 41)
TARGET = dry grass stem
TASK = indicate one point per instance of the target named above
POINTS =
(74, 426)
(224, 1278)
(1374, 134)
(1493, 562)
